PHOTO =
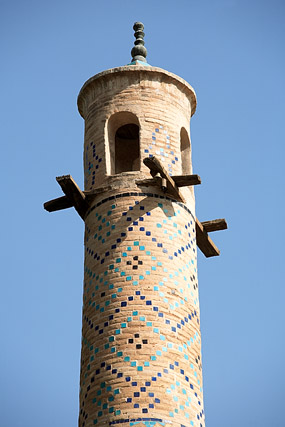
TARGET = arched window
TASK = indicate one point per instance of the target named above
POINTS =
(124, 144)
(185, 152)
(127, 153)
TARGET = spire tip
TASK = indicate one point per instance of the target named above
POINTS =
(139, 51)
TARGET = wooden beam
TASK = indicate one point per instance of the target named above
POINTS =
(74, 194)
(150, 182)
(186, 180)
(58, 204)
(215, 225)
(204, 243)
(64, 202)
(155, 167)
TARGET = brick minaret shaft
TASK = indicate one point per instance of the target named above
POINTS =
(141, 342)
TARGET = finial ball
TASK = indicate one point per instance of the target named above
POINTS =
(138, 26)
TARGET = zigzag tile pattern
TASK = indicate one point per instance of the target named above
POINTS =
(141, 346)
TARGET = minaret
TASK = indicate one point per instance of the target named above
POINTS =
(141, 341)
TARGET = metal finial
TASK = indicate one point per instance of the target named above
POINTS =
(139, 52)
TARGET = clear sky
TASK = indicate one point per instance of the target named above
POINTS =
(232, 53)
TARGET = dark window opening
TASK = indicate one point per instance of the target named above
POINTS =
(127, 152)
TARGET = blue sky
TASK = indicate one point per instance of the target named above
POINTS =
(232, 53)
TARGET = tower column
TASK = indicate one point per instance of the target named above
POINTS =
(141, 344)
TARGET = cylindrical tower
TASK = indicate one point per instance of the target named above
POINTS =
(141, 344)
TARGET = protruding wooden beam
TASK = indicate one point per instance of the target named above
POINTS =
(155, 167)
(204, 243)
(64, 202)
(74, 194)
(215, 225)
(58, 204)
(150, 182)
(186, 180)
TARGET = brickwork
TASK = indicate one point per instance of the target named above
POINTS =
(141, 344)
(162, 103)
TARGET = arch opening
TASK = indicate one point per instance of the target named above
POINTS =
(123, 143)
(185, 152)
(127, 153)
